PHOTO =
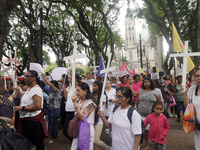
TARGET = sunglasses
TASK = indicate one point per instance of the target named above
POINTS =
(28, 76)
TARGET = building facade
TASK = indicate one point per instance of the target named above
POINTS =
(138, 49)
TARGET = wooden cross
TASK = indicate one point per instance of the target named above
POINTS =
(73, 58)
(106, 70)
(185, 56)
(94, 70)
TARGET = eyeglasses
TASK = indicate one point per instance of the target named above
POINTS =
(119, 97)
(28, 76)
(197, 76)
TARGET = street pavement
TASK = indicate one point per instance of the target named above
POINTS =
(177, 139)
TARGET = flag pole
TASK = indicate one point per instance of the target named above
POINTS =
(15, 68)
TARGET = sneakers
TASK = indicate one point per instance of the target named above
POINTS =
(175, 115)
(51, 141)
(171, 115)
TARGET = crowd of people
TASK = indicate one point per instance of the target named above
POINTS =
(128, 104)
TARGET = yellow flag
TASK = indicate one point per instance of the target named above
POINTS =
(140, 70)
(179, 47)
(156, 68)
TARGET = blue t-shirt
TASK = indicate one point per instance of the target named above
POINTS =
(47, 88)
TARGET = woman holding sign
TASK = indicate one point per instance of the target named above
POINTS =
(86, 105)
(54, 107)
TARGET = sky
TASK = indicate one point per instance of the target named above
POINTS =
(121, 26)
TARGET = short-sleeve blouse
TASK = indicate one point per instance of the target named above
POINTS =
(90, 118)
(146, 100)
(27, 100)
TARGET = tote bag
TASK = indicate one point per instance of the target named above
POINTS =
(189, 118)
(84, 134)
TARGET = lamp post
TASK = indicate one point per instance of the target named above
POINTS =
(41, 5)
(140, 36)
(147, 61)
(43, 25)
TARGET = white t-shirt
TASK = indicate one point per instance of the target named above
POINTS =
(159, 91)
(195, 100)
(122, 130)
(90, 84)
(103, 108)
(90, 118)
(27, 100)
(111, 95)
(69, 107)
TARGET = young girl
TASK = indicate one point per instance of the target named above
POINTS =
(159, 126)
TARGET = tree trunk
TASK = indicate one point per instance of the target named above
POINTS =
(6, 7)
(198, 26)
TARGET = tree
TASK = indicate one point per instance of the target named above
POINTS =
(51, 67)
(89, 22)
(6, 7)
(95, 21)
(160, 15)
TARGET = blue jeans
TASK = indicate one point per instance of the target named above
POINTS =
(166, 105)
(53, 117)
(180, 104)
(157, 146)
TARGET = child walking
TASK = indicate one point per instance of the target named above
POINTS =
(159, 126)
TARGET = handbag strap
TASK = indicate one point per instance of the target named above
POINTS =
(84, 117)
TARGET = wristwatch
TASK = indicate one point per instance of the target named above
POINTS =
(23, 108)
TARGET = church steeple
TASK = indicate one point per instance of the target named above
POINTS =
(129, 13)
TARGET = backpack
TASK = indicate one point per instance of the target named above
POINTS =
(129, 115)
(45, 106)
(11, 140)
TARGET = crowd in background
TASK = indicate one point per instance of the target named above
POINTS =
(39, 105)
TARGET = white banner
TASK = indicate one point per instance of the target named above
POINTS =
(155, 75)
(37, 67)
(135, 65)
(58, 72)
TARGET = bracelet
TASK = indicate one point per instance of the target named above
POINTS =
(23, 108)
(76, 106)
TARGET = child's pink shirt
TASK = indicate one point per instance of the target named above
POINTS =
(159, 127)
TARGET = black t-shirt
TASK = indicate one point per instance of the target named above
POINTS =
(171, 88)
(7, 107)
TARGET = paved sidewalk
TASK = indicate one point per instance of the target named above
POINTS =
(177, 139)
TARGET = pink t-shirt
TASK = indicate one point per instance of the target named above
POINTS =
(136, 87)
(123, 85)
(167, 82)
